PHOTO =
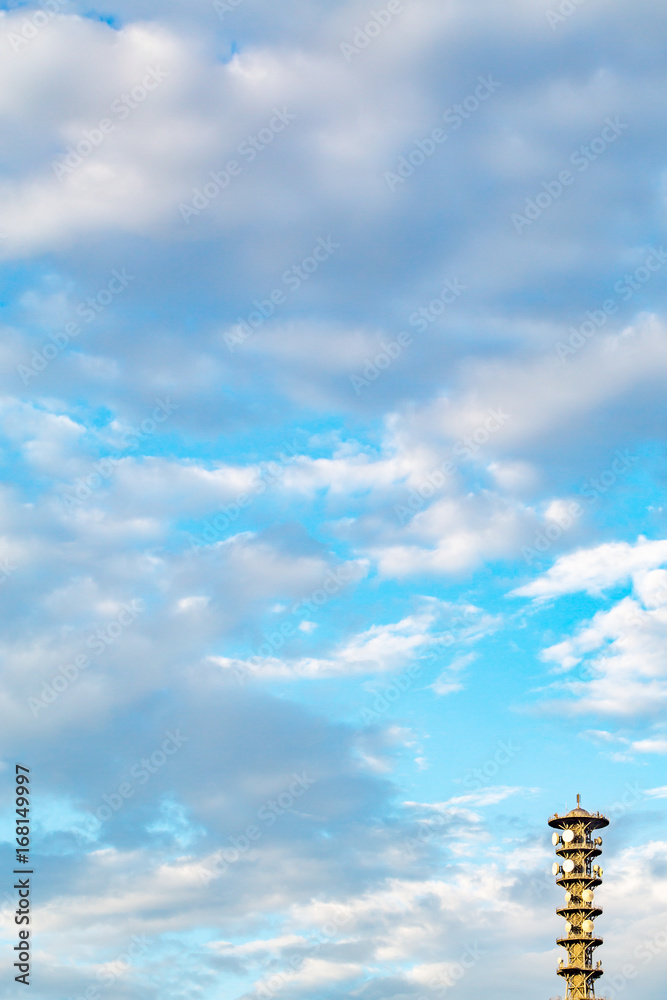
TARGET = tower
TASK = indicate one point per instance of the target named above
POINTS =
(576, 850)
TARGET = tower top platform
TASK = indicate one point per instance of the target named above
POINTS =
(595, 821)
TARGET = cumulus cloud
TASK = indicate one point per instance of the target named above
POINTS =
(614, 663)
(593, 570)
(380, 649)
(292, 521)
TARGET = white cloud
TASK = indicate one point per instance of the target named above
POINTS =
(380, 649)
(343, 850)
(262, 946)
(593, 570)
(622, 649)
(450, 679)
(538, 395)
(657, 793)
(483, 797)
(455, 535)
(658, 746)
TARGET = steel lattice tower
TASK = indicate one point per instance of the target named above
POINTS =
(579, 877)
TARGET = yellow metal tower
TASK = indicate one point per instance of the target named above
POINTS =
(579, 877)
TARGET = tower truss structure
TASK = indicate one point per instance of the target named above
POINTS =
(577, 850)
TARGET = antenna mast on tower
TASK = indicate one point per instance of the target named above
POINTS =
(577, 874)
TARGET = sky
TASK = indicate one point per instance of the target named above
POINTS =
(333, 543)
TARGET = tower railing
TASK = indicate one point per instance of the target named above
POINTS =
(574, 838)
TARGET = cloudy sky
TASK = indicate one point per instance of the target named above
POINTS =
(333, 547)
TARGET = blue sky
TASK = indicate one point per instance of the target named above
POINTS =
(333, 525)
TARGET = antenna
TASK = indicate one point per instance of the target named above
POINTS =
(579, 879)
